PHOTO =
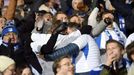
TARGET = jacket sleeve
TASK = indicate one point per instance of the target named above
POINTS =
(99, 28)
(70, 49)
(10, 12)
(92, 18)
(30, 56)
(105, 70)
(27, 24)
(48, 48)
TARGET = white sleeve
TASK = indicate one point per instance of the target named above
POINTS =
(92, 18)
(81, 41)
(38, 41)
(37, 36)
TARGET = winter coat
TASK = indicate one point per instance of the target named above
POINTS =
(123, 65)
(21, 54)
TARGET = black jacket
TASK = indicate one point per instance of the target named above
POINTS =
(127, 12)
(23, 54)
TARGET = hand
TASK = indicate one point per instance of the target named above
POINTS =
(60, 28)
(108, 21)
(6, 39)
(110, 59)
(108, 18)
(39, 24)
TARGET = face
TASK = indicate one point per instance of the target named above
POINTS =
(10, 70)
(132, 56)
(47, 17)
(75, 19)
(62, 17)
(11, 36)
(2, 22)
(113, 48)
(20, 2)
(65, 67)
(75, 4)
(3, 11)
(26, 71)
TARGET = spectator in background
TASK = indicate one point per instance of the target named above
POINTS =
(130, 54)
(2, 24)
(43, 22)
(60, 16)
(23, 69)
(111, 32)
(6, 12)
(53, 5)
(12, 46)
(7, 66)
(63, 66)
(115, 64)
(9, 11)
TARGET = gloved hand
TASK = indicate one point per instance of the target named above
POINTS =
(60, 28)
(108, 21)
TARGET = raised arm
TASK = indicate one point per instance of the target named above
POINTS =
(10, 12)
(97, 28)
(71, 49)
(1, 3)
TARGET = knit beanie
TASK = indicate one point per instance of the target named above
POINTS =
(5, 62)
(8, 29)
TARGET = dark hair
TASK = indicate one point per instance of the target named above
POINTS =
(115, 41)
(21, 67)
(106, 12)
(56, 63)
(73, 25)
(54, 26)
(130, 50)
(74, 15)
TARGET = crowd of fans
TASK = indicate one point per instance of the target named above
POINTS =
(66, 37)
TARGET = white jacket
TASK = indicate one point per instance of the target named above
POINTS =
(87, 59)
(89, 56)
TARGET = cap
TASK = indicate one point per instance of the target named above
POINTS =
(5, 62)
